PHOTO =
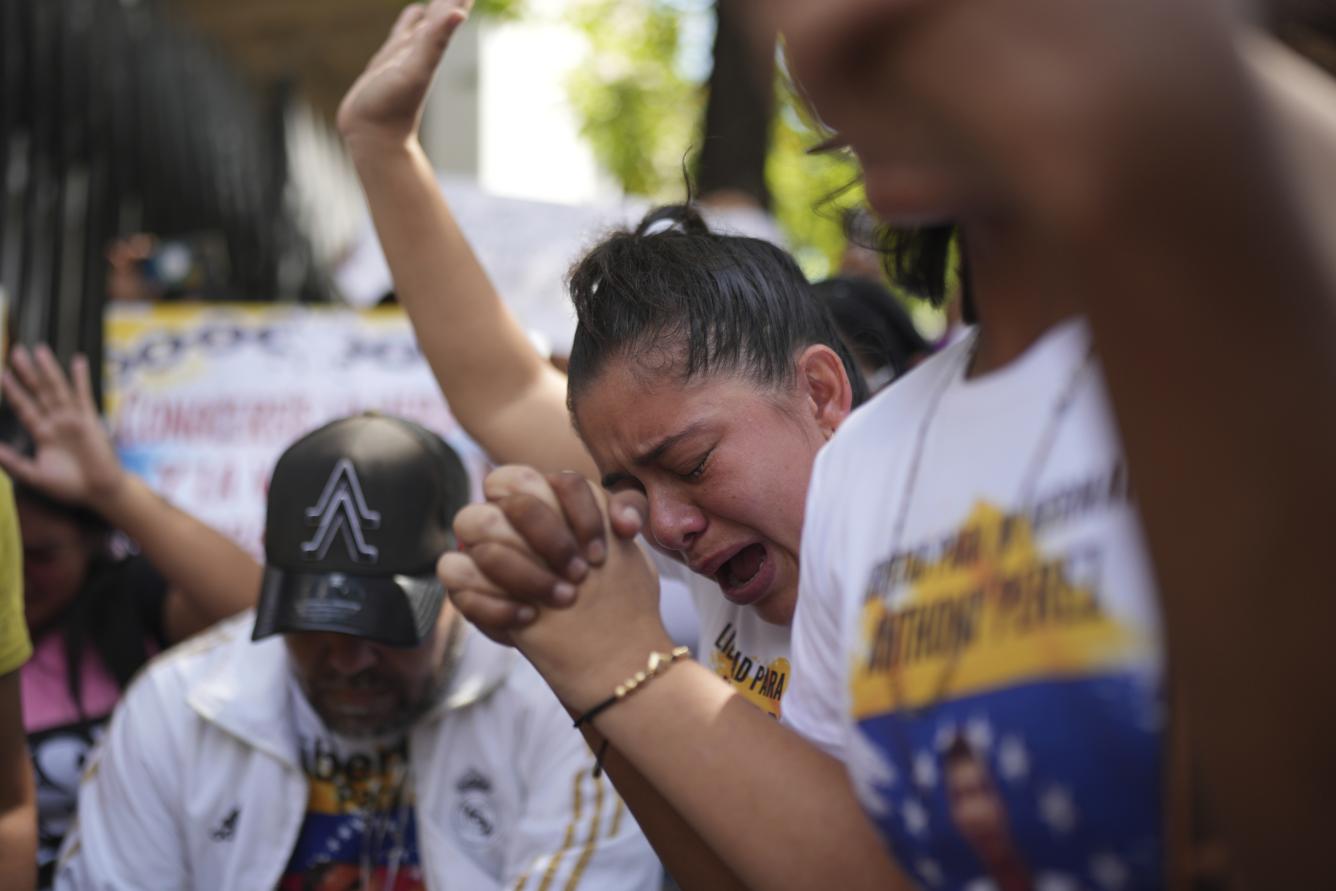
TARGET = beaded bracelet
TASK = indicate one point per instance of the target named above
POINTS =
(657, 665)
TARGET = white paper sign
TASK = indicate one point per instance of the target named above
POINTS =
(202, 399)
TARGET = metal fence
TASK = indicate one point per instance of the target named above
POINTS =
(115, 120)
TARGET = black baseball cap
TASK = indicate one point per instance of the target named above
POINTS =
(359, 512)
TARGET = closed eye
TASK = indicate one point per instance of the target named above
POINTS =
(695, 473)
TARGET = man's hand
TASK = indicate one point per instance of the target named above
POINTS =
(384, 105)
(75, 460)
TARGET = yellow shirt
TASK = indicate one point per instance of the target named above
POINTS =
(15, 647)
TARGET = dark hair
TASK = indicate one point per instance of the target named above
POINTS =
(918, 261)
(960, 751)
(873, 323)
(89, 521)
(732, 303)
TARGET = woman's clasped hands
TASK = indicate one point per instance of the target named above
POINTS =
(551, 565)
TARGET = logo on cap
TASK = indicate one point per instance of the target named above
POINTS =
(342, 512)
(332, 599)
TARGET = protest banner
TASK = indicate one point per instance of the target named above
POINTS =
(202, 399)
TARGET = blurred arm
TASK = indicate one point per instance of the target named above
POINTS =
(209, 576)
(18, 794)
(1215, 320)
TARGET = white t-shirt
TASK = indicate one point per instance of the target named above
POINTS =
(739, 646)
(982, 652)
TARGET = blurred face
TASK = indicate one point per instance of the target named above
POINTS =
(851, 60)
(975, 807)
(362, 688)
(56, 555)
(724, 463)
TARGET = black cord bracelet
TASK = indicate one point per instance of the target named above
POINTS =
(658, 663)
(598, 710)
(598, 758)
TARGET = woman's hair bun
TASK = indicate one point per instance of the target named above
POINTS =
(681, 218)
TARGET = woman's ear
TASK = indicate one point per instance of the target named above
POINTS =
(826, 386)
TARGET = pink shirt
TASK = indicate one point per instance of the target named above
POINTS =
(46, 697)
(58, 737)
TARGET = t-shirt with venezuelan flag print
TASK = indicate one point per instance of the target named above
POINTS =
(977, 634)
(360, 829)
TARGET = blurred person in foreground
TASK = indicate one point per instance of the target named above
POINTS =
(18, 794)
(975, 564)
(95, 613)
(354, 733)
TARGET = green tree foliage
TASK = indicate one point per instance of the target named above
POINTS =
(499, 9)
(635, 106)
(641, 109)
(640, 101)
(811, 192)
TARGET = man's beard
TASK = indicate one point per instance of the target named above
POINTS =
(406, 711)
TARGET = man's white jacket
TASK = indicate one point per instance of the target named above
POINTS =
(198, 782)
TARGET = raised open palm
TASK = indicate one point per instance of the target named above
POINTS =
(386, 100)
(74, 459)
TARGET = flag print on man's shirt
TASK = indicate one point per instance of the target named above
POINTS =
(360, 822)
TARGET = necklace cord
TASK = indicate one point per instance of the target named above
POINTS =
(1025, 497)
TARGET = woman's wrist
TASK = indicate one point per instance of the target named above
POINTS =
(369, 148)
(659, 661)
(583, 674)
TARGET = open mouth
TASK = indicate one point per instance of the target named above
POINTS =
(744, 577)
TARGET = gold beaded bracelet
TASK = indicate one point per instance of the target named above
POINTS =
(658, 664)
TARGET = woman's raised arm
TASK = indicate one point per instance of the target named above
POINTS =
(504, 394)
